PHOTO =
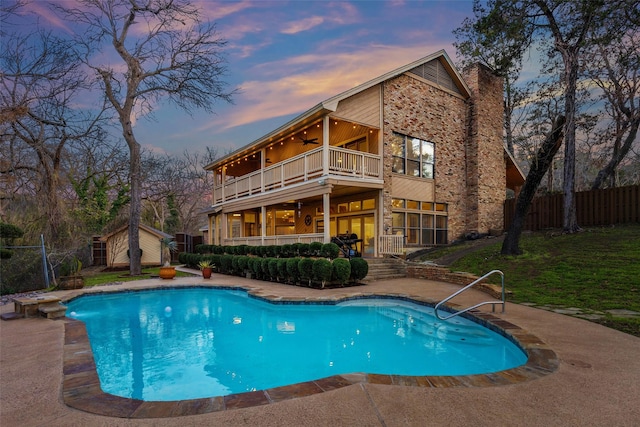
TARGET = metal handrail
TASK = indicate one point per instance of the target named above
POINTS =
(477, 305)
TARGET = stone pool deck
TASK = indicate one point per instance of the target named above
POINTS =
(597, 380)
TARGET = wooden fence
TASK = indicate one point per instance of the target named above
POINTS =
(593, 208)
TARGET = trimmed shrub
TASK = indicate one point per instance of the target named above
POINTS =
(305, 267)
(264, 265)
(216, 261)
(226, 263)
(243, 264)
(341, 270)
(282, 270)
(286, 251)
(359, 268)
(303, 249)
(295, 247)
(292, 269)
(255, 266)
(322, 270)
(315, 248)
(234, 264)
(330, 250)
(273, 268)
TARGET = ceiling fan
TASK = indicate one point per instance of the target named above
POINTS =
(308, 141)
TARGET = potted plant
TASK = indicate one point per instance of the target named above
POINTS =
(205, 267)
(167, 271)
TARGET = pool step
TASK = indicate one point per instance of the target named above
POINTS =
(415, 321)
(53, 310)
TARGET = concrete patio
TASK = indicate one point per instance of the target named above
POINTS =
(597, 382)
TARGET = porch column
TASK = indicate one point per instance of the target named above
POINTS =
(325, 146)
(263, 225)
(211, 231)
(223, 178)
(263, 163)
(326, 206)
(225, 228)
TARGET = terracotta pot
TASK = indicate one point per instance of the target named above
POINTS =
(206, 272)
(167, 272)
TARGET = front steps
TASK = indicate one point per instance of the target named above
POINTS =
(385, 268)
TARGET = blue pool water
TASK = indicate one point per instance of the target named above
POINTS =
(177, 344)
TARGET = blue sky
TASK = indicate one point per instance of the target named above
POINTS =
(286, 56)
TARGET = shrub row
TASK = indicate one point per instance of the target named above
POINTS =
(315, 249)
(303, 271)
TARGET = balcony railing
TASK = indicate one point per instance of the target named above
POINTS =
(275, 240)
(301, 168)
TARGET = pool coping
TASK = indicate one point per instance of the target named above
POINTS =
(81, 384)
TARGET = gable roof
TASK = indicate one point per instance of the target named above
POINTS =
(151, 230)
(331, 104)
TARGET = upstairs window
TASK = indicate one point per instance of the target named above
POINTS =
(413, 156)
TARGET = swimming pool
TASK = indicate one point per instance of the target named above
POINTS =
(176, 344)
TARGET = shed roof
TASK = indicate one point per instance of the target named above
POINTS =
(148, 229)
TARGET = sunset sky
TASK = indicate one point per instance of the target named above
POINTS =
(286, 56)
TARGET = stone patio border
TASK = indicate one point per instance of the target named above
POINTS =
(81, 385)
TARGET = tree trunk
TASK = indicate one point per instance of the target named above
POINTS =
(539, 166)
(569, 220)
(135, 177)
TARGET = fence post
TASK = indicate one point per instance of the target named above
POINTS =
(44, 262)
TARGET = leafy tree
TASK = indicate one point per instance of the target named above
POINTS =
(166, 52)
(96, 209)
(502, 51)
(8, 232)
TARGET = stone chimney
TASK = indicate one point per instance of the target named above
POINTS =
(485, 173)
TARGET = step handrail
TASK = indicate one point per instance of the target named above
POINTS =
(503, 302)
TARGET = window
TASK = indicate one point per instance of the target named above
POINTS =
(422, 223)
(412, 156)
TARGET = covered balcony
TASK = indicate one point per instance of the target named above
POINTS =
(349, 151)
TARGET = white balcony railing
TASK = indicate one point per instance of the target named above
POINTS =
(275, 240)
(299, 169)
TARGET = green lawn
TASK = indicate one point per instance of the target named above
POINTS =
(123, 276)
(597, 269)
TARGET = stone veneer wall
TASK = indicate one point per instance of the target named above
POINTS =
(486, 170)
(443, 274)
(418, 109)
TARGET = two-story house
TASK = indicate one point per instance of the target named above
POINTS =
(411, 159)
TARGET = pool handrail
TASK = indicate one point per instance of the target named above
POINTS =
(503, 302)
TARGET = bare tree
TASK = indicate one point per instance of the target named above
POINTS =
(176, 183)
(41, 81)
(615, 69)
(167, 53)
